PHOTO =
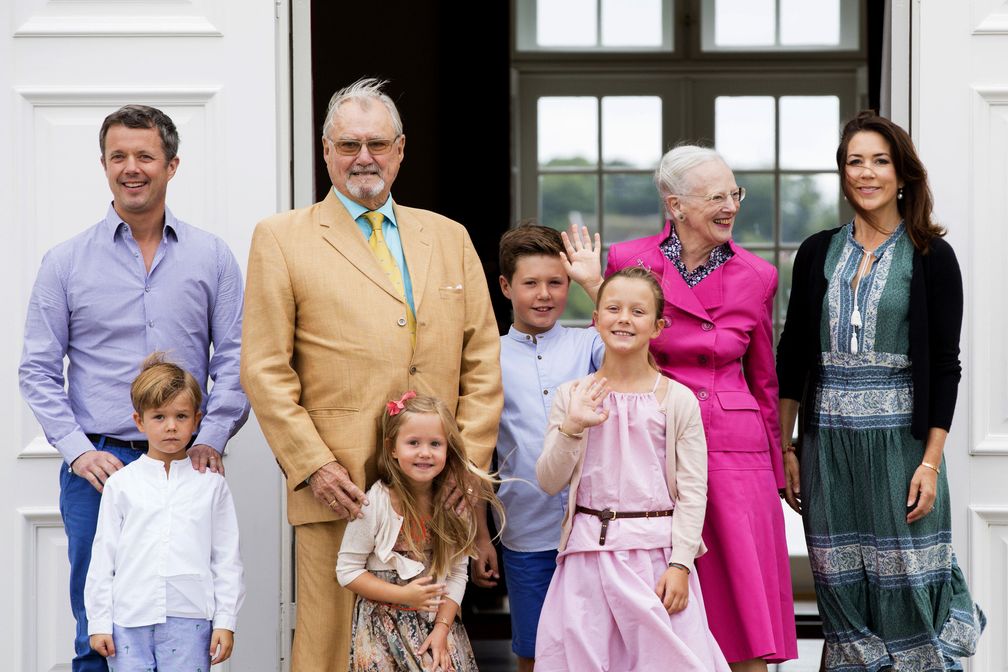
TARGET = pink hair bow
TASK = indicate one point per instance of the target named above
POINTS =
(397, 407)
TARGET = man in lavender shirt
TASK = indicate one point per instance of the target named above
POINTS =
(138, 281)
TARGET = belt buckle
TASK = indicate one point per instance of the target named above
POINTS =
(607, 514)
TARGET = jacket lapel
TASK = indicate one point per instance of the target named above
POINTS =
(417, 247)
(677, 292)
(344, 235)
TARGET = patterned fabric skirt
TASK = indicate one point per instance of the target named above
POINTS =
(891, 595)
(386, 638)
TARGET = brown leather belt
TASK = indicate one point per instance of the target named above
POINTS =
(608, 514)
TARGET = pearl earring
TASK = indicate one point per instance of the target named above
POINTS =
(681, 216)
(899, 194)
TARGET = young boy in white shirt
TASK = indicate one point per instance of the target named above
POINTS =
(165, 582)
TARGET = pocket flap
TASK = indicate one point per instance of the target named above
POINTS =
(737, 401)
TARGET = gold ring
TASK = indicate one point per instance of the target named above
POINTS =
(332, 502)
(468, 491)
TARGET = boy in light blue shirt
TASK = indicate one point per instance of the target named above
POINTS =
(537, 354)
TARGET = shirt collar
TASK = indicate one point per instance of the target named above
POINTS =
(521, 336)
(885, 244)
(113, 223)
(356, 209)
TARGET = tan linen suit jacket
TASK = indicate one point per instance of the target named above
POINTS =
(325, 346)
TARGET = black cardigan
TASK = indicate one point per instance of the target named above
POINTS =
(936, 309)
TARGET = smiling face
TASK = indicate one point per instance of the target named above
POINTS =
(169, 427)
(137, 172)
(870, 179)
(704, 224)
(538, 292)
(420, 449)
(364, 178)
(626, 317)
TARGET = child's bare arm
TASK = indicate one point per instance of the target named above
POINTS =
(437, 640)
(484, 565)
(421, 593)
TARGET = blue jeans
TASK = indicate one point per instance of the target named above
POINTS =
(79, 503)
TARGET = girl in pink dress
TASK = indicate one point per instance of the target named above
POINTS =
(630, 444)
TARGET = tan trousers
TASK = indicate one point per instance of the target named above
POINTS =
(324, 608)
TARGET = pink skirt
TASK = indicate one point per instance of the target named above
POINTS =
(601, 613)
(746, 573)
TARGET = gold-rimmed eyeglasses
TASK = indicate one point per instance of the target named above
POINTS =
(721, 197)
(350, 147)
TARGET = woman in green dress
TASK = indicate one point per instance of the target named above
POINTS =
(870, 356)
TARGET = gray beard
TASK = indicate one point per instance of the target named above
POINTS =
(360, 192)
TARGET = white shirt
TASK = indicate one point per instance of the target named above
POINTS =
(166, 545)
(368, 542)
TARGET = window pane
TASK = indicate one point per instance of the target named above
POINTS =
(784, 266)
(631, 23)
(808, 204)
(568, 199)
(631, 131)
(810, 129)
(744, 23)
(811, 22)
(744, 130)
(631, 207)
(755, 219)
(568, 131)
(566, 23)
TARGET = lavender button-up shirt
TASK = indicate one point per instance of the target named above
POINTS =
(95, 304)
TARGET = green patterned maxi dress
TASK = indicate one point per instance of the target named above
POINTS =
(890, 594)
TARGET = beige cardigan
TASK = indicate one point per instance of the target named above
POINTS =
(562, 460)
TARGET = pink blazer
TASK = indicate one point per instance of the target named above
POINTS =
(718, 342)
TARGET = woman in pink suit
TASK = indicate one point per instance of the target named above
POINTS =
(719, 343)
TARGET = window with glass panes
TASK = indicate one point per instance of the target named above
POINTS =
(594, 117)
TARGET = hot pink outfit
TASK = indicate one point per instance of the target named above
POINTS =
(719, 344)
(601, 611)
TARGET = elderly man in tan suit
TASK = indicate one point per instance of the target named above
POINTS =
(349, 303)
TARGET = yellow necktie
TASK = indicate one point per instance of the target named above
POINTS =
(387, 263)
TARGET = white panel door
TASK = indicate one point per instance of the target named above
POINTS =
(212, 65)
(960, 124)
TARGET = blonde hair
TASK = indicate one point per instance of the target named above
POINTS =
(453, 534)
(647, 277)
(160, 381)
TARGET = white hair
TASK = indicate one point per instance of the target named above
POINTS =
(363, 91)
(672, 174)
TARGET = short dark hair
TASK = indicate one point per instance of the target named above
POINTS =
(916, 204)
(143, 116)
(526, 240)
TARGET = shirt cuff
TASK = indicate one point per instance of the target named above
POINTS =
(225, 622)
(212, 436)
(99, 627)
(72, 446)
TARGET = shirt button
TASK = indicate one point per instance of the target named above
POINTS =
(147, 288)
(412, 370)
(538, 356)
(702, 395)
(401, 322)
(150, 323)
(702, 359)
(545, 391)
(528, 338)
(706, 326)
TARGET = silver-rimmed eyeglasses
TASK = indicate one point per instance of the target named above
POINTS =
(720, 198)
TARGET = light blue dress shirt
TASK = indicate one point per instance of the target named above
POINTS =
(95, 304)
(531, 369)
(390, 230)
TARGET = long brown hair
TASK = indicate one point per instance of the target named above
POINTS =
(452, 534)
(917, 203)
